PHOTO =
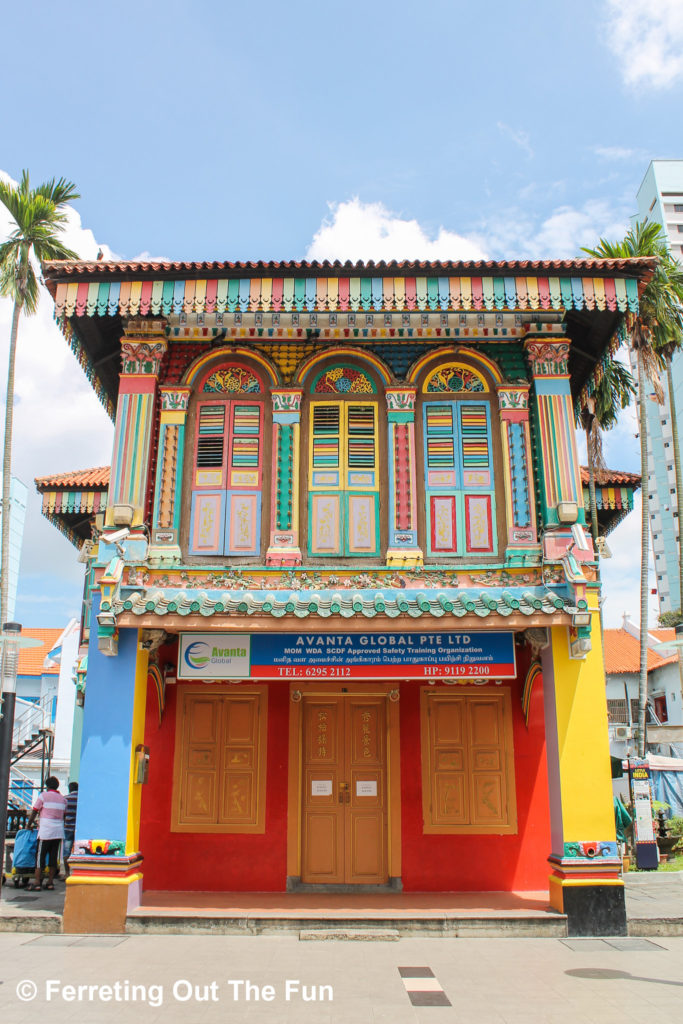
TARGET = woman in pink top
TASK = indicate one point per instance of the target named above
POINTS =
(51, 806)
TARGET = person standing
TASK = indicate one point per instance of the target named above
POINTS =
(70, 824)
(51, 806)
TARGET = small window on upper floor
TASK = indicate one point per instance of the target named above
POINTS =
(678, 207)
(228, 435)
(456, 418)
(344, 475)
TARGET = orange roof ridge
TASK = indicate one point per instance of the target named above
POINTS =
(31, 658)
(90, 478)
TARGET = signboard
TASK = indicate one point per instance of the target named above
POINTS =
(310, 655)
(321, 787)
(643, 828)
(366, 787)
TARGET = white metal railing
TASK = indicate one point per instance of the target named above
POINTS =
(21, 795)
(30, 717)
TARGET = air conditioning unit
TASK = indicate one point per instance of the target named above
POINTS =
(623, 732)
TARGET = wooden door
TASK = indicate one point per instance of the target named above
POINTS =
(344, 812)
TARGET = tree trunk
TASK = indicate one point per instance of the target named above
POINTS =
(644, 559)
(591, 489)
(7, 466)
(679, 475)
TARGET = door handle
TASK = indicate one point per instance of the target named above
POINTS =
(344, 791)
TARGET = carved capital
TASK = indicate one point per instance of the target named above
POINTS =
(175, 399)
(513, 397)
(142, 357)
(400, 399)
(286, 399)
(548, 358)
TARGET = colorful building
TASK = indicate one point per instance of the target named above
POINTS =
(342, 609)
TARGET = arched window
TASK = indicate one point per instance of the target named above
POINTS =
(457, 444)
(228, 461)
(343, 464)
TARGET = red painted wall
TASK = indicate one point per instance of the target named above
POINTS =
(177, 861)
(457, 863)
(213, 863)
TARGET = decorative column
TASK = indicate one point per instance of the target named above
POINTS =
(561, 491)
(106, 865)
(142, 350)
(513, 403)
(284, 548)
(403, 550)
(168, 490)
(585, 882)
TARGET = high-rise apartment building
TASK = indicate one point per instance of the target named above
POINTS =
(660, 200)
(18, 497)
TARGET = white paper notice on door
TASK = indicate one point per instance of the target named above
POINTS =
(366, 787)
(321, 787)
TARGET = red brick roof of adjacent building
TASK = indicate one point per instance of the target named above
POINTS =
(31, 658)
(611, 478)
(622, 651)
(83, 479)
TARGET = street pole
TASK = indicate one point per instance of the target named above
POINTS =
(8, 678)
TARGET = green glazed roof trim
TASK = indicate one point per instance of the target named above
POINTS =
(367, 604)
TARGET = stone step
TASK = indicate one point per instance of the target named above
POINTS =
(549, 926)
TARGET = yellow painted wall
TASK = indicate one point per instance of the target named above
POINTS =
(583, 740)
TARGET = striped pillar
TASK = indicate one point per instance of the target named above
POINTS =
(134, 422)
(561, 491)
(403, 549)
(520, 502)
(284, 547)
(169, 480)
(584, 881)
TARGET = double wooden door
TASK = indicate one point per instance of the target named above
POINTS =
(344, 805)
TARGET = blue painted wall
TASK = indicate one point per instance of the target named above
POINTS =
(107, 728)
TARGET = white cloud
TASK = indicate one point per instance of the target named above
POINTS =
(59, 424)
(647, 39)
(369, 231)
(619, 153)
(518, 136)
(517, 233)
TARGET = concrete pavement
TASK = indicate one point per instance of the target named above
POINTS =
(202, 979)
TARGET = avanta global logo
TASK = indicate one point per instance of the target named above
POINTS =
(198, 655)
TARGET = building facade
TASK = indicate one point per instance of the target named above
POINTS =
(660, 201)
(342, 609)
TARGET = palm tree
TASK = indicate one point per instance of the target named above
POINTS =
(658, 317)
(39, 216)
(613, 392)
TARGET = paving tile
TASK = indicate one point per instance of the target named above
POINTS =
(101, 941)
(633, 943)
(586, 945)
(52, 940)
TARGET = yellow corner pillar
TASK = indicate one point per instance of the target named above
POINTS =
(585, 880)
(106, 876)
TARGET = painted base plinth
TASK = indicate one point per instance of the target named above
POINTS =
(283, 556)
(404, 558)
(591, 909)
(96, 908)
(100, 892)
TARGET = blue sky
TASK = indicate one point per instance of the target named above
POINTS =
(237, 131)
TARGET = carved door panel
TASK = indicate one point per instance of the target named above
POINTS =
(344, 819)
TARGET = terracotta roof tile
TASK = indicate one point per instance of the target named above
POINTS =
(611, 478)
(31, 658)
(81, 478)
(622, 651)
(102, 268)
